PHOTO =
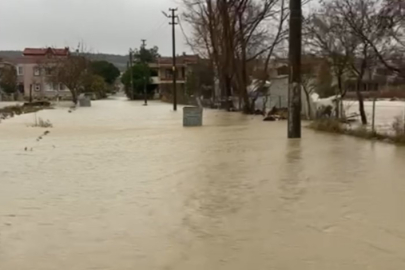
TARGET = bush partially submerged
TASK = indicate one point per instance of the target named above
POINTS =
(399, 130)
(329, 125)
(39, 122)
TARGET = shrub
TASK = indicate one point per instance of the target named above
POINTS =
(399, 130)
(329, 125)
(39, 122)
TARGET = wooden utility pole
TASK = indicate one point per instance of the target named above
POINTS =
(144, 77)
(173, 16)
(294, 89)
(130, 73)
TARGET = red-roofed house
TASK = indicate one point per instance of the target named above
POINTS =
(42, 52)
(32, 76)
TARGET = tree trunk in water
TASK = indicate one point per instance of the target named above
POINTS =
(358, 88)
(228, 93)
(340, 88)
(74, 96)
(246, 100)
(361, 104)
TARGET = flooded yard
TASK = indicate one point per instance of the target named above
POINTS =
(386, 113)
(120, 186)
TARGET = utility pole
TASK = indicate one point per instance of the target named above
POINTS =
(130, 73)
(173, 23)
(294, 89)
(145, 94)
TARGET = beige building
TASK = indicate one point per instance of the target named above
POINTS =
(33, 76)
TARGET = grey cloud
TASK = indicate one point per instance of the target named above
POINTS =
(110, 26)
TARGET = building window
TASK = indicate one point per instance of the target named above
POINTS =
(49, 87)
(37, 87)
(48, 71)
(21, 88)
(37, 71)
(153, 73)
(62, 87)
(20, 71)
(168, 74)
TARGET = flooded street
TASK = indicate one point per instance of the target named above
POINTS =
(120, 186)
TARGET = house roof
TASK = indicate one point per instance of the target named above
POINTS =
(46, 51)
(180, 60)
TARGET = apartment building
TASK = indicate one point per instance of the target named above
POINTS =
(162, 73)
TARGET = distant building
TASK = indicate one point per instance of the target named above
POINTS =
(162, 73)
(376, 78)
(32, 75)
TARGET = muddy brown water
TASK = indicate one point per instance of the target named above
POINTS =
(120, 186)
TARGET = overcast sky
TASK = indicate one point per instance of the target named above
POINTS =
(105, 26)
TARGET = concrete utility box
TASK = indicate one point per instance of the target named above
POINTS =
(84, 101)
(192, 116)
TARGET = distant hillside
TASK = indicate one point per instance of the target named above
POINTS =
(10, 54)
(120, 61)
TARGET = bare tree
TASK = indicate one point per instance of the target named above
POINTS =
(381, 25)
(234, 34)
(72, 72)
(352, 34)
(328, 36)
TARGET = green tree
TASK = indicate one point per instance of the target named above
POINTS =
(140, 77)
(145, 55)
(8, 79)
(96, 84)
(106, 70)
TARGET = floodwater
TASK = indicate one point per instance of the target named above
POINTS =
(120, 186)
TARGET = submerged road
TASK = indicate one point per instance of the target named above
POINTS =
(120, 186)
